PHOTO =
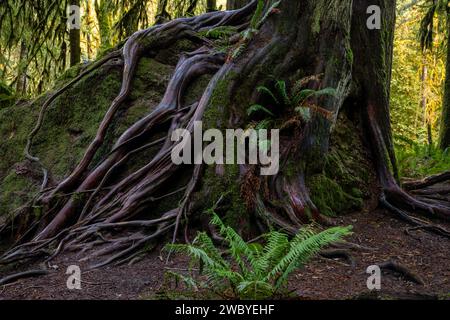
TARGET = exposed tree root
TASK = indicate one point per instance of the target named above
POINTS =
(429, 181)
(22, 275)
(402, 270)
(112, 212)
(393, 197)
(339, 254)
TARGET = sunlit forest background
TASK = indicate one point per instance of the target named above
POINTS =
(35, 54)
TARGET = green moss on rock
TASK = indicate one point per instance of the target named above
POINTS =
(71, 123)
(15, 190)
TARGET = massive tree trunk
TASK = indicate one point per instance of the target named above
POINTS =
(308, 44)
(75, 40)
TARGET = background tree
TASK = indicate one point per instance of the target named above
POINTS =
(236, 4)
(439, 9)
(211, 5)
(75, 39)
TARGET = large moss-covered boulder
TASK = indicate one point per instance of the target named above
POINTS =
(71, 123)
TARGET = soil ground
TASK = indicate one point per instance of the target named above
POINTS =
(425, 254)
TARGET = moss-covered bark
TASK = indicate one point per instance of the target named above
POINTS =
(444, 135)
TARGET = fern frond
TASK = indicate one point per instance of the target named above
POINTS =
(257, 16)
(302, 248)
(238, 247)
(264, 124)
(282, 90)
(195, 253)
(187, 280)
(274, 250)
(305, 113)
(204, 242)
(263, 89)
(306, 94)
(257, 108)
(267, 14)
(255, 290)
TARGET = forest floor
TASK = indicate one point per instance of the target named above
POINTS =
(425, 254)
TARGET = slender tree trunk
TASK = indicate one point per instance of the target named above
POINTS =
(191, 9)
(423, 102)
(211, 5)
(161, 14)
(104, 23)
(21, 86)
(236, 4)
(75, 40)
(444, 137)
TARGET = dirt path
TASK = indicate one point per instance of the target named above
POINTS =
(427, 255)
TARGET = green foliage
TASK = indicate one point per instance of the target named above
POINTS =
(7, 96)
(435, 8)
(418, 160)
(256, 22)
(222, 32)
(297, 98)
(256, 271)
(258, 108)
(418, 75)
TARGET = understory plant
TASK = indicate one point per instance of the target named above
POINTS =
(298, 99)
(250, 270)
(417, 160)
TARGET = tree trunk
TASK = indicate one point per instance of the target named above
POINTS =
(236, 4)
(211, 5)
(303, 44)
(161, 13)
(423, 102)
(104, 23)
(75, 40)
(21, 86)
(444, 137)
(191, 9)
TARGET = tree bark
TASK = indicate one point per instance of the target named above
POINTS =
(211, 5)
(444, 136)
(21, 85)
(191, 9)
(75, 41)
(104, 23)
(161, 13)
(236, 4)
